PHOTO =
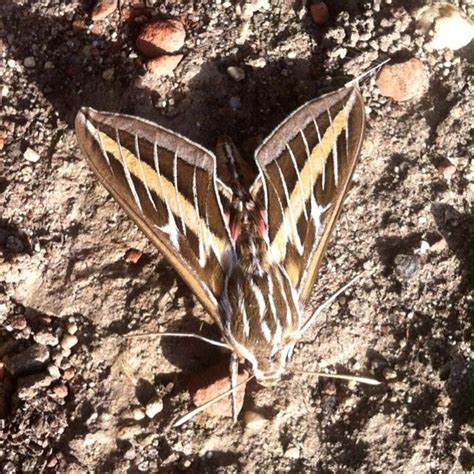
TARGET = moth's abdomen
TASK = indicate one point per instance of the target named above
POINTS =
(262, 316)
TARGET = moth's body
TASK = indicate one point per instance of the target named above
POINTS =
(259, 307)
(248, 244)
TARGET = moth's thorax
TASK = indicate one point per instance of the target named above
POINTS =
(260, 308)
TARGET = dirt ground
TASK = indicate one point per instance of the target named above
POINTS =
(63, 274)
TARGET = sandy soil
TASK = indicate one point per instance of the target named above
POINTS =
(63, 240)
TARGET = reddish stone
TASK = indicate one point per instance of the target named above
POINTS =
(60, 390)
(211, 383)
(161, 37)
(403, 81)
(447, 169)
(133, 255)
(69, 373)
(319, 13)
(163, 65)
(102, 9)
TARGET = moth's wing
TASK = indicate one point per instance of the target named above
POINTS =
(306, 165)
(168, 186)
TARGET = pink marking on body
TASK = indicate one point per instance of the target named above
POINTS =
(262, 223)
(234, 231)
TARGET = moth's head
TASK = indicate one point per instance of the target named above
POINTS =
(268, 367)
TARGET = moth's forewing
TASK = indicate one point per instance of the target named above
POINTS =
(306, 165)
(160, 178)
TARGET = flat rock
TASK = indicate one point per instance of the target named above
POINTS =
(102, 9)
(32, 359)
(161, 37)
(160, 66)
(211, 383)
(403, 81)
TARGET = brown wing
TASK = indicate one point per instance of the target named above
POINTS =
(306, 165)
(167, 185)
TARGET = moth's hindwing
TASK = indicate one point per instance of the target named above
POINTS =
(167, 185)
(306, 164)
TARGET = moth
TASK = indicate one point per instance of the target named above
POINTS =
(248, 241)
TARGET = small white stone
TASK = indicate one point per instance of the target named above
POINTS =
(236, 73)
(292, 453)
(257, 62)
(153, 407)
(424, 247)
(389, 374)
(31, 155)
(254, 421)
(449, 27)
(29, 62)
(138, 414)
(54, 371)
(71, 328)
(69, 341)
(49, 65)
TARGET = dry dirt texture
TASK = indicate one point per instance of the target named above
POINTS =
(63, 240)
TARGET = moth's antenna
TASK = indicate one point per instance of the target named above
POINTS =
(351, 378)
(179, 334)
(319, 309)
(373, 70)
(202, 407)
(234, 374)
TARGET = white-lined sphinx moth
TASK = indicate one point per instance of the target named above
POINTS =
(249, 252)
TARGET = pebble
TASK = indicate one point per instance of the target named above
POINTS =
(69, 373)
(31, 155)
(46, 338)
(71, 328)
(130, 454)
(447, 169)
(69, 341)
(32, 359)
(292, 452)
(138, 414)
(257, 62)
(102, 9)
(3, 137)
(236, 73)
(129, 432)
(439, 246)
(211, 383)
(448, 26)
(133, 255)
(61, 390)
(319, 13)
(406, 266)
(254, 421)
(108, 74)
(403, 81)
(29, 62)
(19, 323)
(54, 371)
(153, 407)
(161, 66)
(424, 247)
(389, 374)
(161, 37)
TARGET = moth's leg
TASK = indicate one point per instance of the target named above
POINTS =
(234, 371)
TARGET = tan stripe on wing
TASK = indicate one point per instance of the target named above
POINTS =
(311, 171)
(163, 188)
